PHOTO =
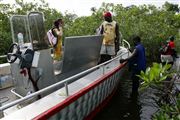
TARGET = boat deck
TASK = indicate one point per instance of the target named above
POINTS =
(6, 95)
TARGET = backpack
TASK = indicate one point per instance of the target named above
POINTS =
(52, 38)
(109, 32)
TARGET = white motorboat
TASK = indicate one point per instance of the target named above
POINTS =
(72, 89)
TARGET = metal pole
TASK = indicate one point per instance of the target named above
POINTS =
(103, 69)
(1, 112)
(66, 88)
(3, 56)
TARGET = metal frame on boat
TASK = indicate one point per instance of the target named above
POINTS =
(79, 91)
(93, 96)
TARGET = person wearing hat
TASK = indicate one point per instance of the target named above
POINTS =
(110, 45)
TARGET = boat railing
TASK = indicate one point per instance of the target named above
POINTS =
(126, 42)
(63, 82)
(3, 56)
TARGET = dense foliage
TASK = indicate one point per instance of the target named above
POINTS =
(154, 75)
(153, 24)
(164, 80)
(168, 112)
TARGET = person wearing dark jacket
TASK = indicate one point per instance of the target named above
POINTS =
(137, 62)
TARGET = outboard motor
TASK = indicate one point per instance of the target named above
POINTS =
(25, 56)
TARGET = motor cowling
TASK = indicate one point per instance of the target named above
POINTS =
(25, 56)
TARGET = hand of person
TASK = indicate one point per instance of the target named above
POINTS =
(122, 60)
(129, 50)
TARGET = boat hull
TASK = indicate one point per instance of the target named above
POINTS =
(86, 96)
(86, 103)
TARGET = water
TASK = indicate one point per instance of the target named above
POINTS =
(123, 106)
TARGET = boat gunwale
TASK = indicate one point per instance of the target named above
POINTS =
(50, 112)
(81, 74)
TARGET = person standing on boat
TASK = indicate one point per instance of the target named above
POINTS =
(57, 31)
(137, 62)
(110, 30)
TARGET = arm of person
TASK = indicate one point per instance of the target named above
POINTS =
(117, 33)
(58, 32)
(101, 29)
(117, 38)
(134, 53)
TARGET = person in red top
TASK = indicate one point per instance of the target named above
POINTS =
(169, 54)
(171, 45)
(171, 42)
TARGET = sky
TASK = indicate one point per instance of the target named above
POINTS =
(82, 7)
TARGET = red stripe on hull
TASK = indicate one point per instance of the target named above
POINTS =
(101, 106)
(50, 112)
